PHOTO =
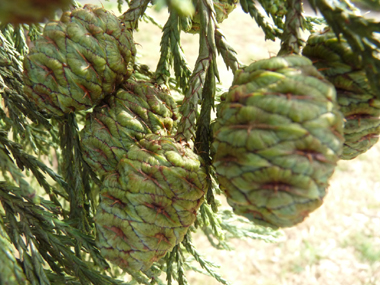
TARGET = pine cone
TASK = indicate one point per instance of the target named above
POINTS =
(29, 11)
(78, 61)
(137, 109)
(277, 139)
(335, 59)
(148, 205)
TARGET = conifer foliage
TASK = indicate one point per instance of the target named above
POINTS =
(105, 176)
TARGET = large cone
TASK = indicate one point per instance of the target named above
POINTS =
(148, 204)
(360, 107)
(137, 109)
(78, 60)
(277, 139)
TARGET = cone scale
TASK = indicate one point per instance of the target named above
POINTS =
(137, 109)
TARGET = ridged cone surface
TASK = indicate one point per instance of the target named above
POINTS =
(148, 205)
(29, 11)
(137, 109)
(222, 9)
(361, 109)
(277, 138)
(78, 60)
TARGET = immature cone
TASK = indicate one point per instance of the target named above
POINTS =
(360, 107)
(148, 204)
(29, 11)
(222, 9)
(78, 61)
(137, 109)
(277, 138)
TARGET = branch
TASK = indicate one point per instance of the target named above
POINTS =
(39, 235)
(203, 132)
(162, 73)
(10, 270)
(32, 134)
(205, 264)
(224, 225)
(171, 40)
(206, 59)
(360, 33)
(134, 13)
(291, 40)
(24, 160)
(73, 171)
(180, 265)
(270, 31)
(229, 55)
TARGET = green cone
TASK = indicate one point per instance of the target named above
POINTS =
(78, 61)
(277, 138)
(335, 59)
(137, 109)
(148, 204)
(29, 11)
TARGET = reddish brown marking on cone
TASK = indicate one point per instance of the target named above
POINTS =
(161, 237)
(122, 262)
(311, 155)
(86, 92)
(117, 231)
(369, 137)
(45, 98)
(89, 64)
(104, 126)
(50, 41)
(337, 133)
(101, 152)
(276, 186)
(256, 214)
(116, 201)
(159, 210)
(323, 69)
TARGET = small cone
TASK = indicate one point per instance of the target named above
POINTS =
(148, 204)
(78, 60)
